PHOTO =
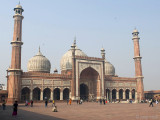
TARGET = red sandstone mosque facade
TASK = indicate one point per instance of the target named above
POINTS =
(81, 77)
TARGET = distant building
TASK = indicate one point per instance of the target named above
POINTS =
(152, 94)
(81, 77)
(3, 87)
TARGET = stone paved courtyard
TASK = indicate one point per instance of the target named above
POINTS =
(86, 111)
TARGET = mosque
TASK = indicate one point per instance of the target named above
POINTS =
(81, 77)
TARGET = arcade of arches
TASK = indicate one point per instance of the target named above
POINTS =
(113, 95)
(57, 94)
(36, 94)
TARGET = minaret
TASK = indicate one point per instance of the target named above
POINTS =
(104, 59)
(103, 53)
(73, 83)
(15, 69)
(138, 68)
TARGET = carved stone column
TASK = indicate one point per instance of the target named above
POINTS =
(130, 94)
(136, 97)
(61, 95)
(41, 95)
(31, 95)
(124, 95)
(117, 95)
(98, 89)
(110, 96)
(51, 96)
(107, 95)
(70, 94)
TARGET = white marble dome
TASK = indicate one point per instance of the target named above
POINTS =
(109, 69)
(39, 63)
(66, 60)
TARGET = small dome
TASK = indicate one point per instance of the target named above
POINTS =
(109, 68)
(55, 70)
(39, 63)
(66, 60)
(135, 30)
(18, 6)
(102, 49)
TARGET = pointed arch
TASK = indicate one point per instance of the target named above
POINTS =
(25, 94)
(46, 93)
(56, 94)
(36, 93)
(65, 94)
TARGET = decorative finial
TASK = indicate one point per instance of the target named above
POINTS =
(102, 49)
(19, 3)
(39, 49)
(75, 40)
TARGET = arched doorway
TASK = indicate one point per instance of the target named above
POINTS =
(91, 78)
(121, 94)
(114, 94)
(133, 94)
(84, 92)
(25, 94)
(108, 94)
(127, 94)
(65, 94)
(46, 93)
(36, 93)
(2, 98)
(57, 94)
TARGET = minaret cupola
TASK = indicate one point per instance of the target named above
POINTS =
(18, 9)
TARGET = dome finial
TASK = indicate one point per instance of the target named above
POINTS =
(39, 49)
(75, 40)
(19, 3)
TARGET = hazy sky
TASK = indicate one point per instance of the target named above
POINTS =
(52, 24)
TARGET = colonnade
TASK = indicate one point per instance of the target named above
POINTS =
(47, 93)
(114, 95)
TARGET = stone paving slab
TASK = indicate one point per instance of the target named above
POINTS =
(86, 111)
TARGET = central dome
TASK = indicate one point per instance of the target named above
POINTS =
(39, 63)
(66, 60)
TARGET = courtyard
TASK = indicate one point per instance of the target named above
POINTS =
(86, 111)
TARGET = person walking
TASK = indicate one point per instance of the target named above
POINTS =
(77, 102)
(15, 108)
(70, 101)
(4, 105)
(31, 103)
(46, 103)
(26, 104)
(151, 103)
(53, 103)
(104, 102)
(67, 101)
(100, 101)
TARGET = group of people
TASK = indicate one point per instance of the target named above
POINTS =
(15, 107)
(54, 109)
(151, 102)
(27, 103)
(79, 101)
(102, 101)
(69, 101)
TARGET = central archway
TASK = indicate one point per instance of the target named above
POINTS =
(89, 84)
(84, 92)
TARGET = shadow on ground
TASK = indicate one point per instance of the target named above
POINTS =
(24, 115)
